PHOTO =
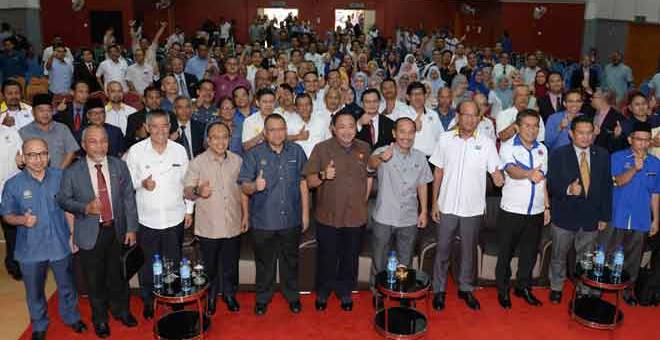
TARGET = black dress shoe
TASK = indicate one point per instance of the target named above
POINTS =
(260, 309)
(38, 335)
(295, 306)
(630, 298)
(102, 330)
(527, 295)
(127, 320)
(347, 306)
(148, 311)
(377, 302)
(555, 296)
(469, 299)
(232, 303)
(439, 301)
(15, 274)
(78, 326)
(320, 305)
(504, 299)
(210, 306)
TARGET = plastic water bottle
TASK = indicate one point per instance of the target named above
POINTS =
(186, 281)
(158, 272)
(617, 265)
(599, 261)
(392, 263)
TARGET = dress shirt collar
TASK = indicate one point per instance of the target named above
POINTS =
(517, 141)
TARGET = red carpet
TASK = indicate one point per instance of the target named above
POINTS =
(456, 322)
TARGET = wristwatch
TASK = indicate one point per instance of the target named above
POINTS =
(196, 191)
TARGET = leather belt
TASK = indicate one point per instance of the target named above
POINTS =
(106, 224)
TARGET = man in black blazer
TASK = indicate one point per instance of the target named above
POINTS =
(553, 101)
(73, 114)
(577, 76)
(374, 128)
(189, 81)
(96, 117)
(136, 129)
(98, 190)
(86, 70)
(191, 132)
(607, 122)
(580, 187)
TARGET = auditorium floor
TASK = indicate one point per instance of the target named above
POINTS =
(14, 317)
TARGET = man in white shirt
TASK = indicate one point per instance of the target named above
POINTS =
(460, 58)
(524, 208)
(311, 85)
(528, 72)
(506, 120)
(461, 159)
(139, 75)
(48, 52)
(503, 68)
(255, 63)
(112, 69)
(253, 125)
(13, 112)
(308, 129)
(390, 106)
(427, 123)
(116, 112)
(157, 167)
(150, 48)
(10, 161)
(225, 31)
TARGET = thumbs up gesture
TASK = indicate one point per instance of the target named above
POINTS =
(261, 181)
(8, 120)
(617, 129)
(536, 175)
(62, 105)
(303, 134)
(639, 162)
(204, 189)
(30, 220)
(330, 171)
(575, 189)
(93, 207)
(418, 122)
(149, 184)
(387, 154)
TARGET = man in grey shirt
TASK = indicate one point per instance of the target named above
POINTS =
(403, 176)
(62, 146)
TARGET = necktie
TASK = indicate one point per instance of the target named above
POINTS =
(106, 208)
(184, 141)
(584, 172)
(182, 87)
(90, 67)
(76, 119)
(372, 132)
(557, 101)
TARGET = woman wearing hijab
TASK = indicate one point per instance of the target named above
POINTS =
(392, 65)
(540, 84)
(360, 84)
(501, 97)
(459, 90)
(409, 66)
(402, 82)
(477, 84)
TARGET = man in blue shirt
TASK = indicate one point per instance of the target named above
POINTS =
(12, 62)
(635, 201)
(201, 63)
(43, 237)
(271, 175)
(556, 130)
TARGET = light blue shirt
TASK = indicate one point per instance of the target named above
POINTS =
(617, 78)
(655, 84)
(554, 137)
(197, 66)
(60, 76)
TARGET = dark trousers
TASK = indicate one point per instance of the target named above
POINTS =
(166, 242)
(337, 260)
(633, 247)
(223, 251)
(102, 270)
(34, 279)
(9, 232)
(513, 231)
(269, 247)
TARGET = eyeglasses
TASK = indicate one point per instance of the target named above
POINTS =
(36, 155)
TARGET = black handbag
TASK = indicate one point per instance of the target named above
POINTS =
(132, 259)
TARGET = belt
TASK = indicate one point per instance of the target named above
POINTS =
(106, 224)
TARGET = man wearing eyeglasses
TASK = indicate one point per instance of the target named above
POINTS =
(559, 123)
(43, 237)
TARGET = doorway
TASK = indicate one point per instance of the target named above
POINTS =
(365, 17)
(279, 14)
(100, 21)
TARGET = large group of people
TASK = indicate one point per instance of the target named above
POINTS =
(337, 133)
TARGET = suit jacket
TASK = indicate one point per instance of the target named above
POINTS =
(76, 191)
(606, 137)
(385, 135)
(577, 76)
(546, 108)
(191, 84)
(135, 121)
(197, 136)
(81, 72)
(583, 211)
(66, 117)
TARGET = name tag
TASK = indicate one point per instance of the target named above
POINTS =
(176, 165)
(650, 174)
(27, 194)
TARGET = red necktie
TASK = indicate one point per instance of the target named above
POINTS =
(106, 208)
(76, 119)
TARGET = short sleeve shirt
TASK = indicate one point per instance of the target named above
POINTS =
(58, 137)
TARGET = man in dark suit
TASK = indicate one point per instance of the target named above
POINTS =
(608, 122)
(96, 117)
(135, 127)
(375, 129)
(186, 82)
(191, 132)
(98, 190)
(552, 102)
(580, 184)
(73, 114)
(592, 82)
(85, 70)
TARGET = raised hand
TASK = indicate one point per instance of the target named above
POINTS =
(618, 130)
(575, 189)
(303, 134)
(62, 105)
(418, 122)
(387, 154)
(261, 181)
(149, 183)
(9, 120)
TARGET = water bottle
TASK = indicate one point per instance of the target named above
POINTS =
(599, 261)
(617, 265)
(392, 263)
(158, 272)
(186, 281)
